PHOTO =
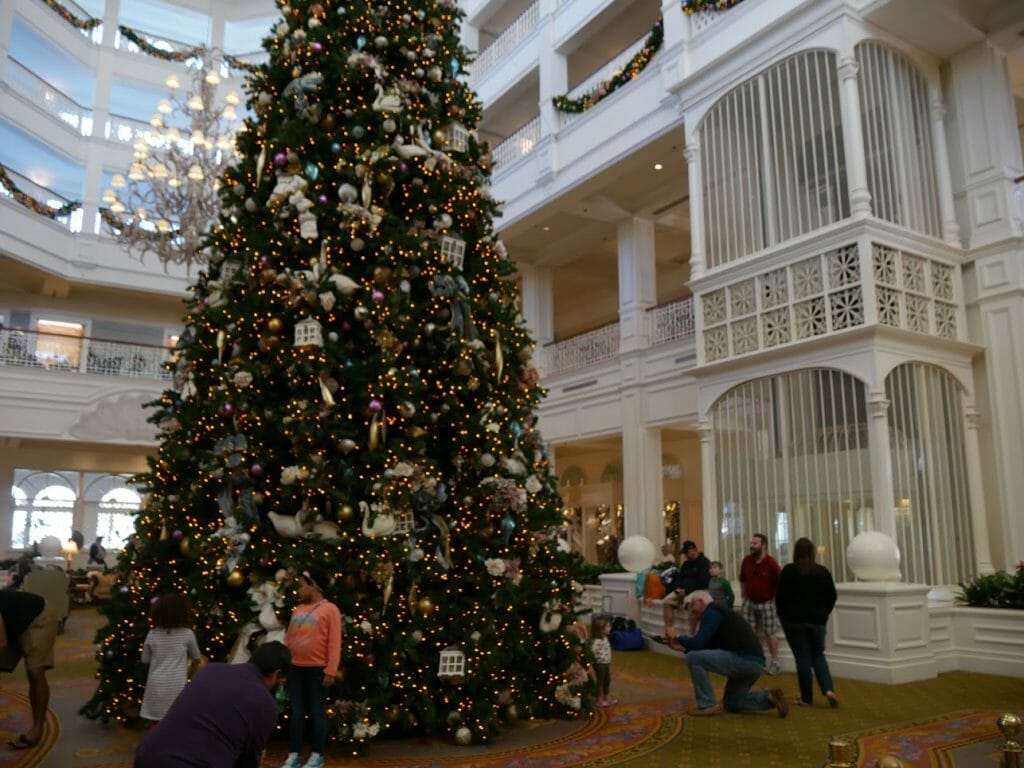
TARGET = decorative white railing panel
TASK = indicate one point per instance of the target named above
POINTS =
(43, 95)
(670, 322)
(518, 145)
(503, 44)
(22, 348)
(588, 348)
(916, 293)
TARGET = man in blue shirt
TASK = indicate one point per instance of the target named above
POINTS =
(726, 644)
(223, 718)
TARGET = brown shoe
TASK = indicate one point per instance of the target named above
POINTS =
(714, 709)
(778, 700)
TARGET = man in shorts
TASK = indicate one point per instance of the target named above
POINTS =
(28, 630)
(759, 575)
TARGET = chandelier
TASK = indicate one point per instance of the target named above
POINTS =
(170, 198)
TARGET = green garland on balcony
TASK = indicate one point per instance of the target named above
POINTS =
(696, 6)
(70, 18)
(157, 53)
(630, 72)
(31, 203)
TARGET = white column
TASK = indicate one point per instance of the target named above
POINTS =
(695, 177)
(538, 307)
(853, 137)
(940, 156)
(708, 490)
(94, 160)
(674, 19)
(979, 520)
(642, 493)
(984, 146)
(553, 71)
(217, 23)
(6, 21)
(636, 281)
(881, 463)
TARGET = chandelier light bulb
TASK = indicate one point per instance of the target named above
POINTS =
(117, 181)
(229, 113)
(159, 171)
(117, 206)
(109, 197)
(137, 172)
(172, 82)
(163, 226)
(141, 213)
(173, 134)
(195, 102)
(164, 107)
(174, 182)
(195, 173)
(232, 98)
(212, 78)
(157, 120)
(197, 137)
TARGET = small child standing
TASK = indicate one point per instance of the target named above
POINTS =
(602, 648)
(314, 639)
(719, 586)
(168, 649)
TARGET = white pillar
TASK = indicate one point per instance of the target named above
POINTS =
(984, 146)
(538, 307)
(6, 21)
(695, 176)
(853, 137)
(637, 274)
(553, 73)
(940, 156)
(881, 463)
(979, 520)
(708, 495)
(642, 492)
(675, 26)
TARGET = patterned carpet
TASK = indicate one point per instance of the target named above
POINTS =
(940, 723)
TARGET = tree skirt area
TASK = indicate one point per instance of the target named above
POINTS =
(15, 720)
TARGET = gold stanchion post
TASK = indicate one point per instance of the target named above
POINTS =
(1009, 724)
(840, 754)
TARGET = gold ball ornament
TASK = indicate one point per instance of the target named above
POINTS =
(236, 578)
(185, 547)
(345, 513)
(328, 121)
(425, 606)
(275, 325)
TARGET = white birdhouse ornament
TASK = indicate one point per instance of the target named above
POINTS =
(452, 666)
(453, 251)
(309, 333)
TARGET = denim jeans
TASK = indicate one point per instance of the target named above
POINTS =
(742, 672)
(807, 642)
(306, 691)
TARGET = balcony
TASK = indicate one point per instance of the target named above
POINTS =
(24, 348)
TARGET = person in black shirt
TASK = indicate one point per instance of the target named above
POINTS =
(693, 573)
(726, 644)
(28, 629)
(804, 598)
(97, 552)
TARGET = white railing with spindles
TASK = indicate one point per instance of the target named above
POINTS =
(518, 145)
(596, 81)
(503, 44)
(579, 351)
(28, 349)
(23, 81)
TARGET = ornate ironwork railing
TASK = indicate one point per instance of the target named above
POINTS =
(55, 352)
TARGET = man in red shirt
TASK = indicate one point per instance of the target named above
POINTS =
(759, 573)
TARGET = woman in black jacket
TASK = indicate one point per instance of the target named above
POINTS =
(804, 598)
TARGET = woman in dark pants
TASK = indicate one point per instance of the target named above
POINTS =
(804, 598)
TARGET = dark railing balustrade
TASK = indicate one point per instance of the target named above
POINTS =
(26, 348)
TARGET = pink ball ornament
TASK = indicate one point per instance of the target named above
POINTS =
(227, 409)
(376, 406)
(322, 198)
(377, 296)
(256, 470)
(154, 599)
(317, 46)
(178, 535)
(280, 159)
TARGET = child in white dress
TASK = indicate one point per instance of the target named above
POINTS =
(168, 649)
(602, 628)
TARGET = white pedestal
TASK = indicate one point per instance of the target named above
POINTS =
(618, 592)
(880, 631)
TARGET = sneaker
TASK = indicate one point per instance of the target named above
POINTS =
(778, 700)
(316, 760)
(773, 667)
(601, 701)
(832, 700)
(711, 711)
(292, 761)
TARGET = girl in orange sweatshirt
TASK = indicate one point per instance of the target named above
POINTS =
(314, 639)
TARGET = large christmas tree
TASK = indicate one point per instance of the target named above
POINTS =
(353, 391)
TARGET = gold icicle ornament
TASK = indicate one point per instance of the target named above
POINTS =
(499, 356)
(378, 430)
(221, 343)
(260, 162)
(325, 391)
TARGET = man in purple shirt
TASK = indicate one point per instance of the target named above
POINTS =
(222, 718)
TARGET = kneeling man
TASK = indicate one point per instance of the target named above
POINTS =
(725, 644)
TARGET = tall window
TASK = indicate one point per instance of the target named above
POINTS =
(115, 505)
(897, 125)
(773, 161)
(929, 472)
(44, 504)
(791, 460)
(59, 343)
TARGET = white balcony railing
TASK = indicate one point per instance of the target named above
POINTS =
(505, 42)
(127, 129)
(587, 348)
(670, 322)
(44, 195)
(36, 90)
(32, 349)
(518, 145)
(596, 81)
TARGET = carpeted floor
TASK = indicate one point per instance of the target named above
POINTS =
(948, 721)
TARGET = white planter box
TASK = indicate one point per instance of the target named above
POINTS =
(989, 640)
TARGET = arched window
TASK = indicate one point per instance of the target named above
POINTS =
(772, 158)
(791, 460)
(115, 504)
(929, 474)
(44, 505)
(897, 125)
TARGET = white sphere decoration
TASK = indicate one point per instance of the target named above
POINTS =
(637, 553)
(463, 736)
(874, 556)
(49, 547)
